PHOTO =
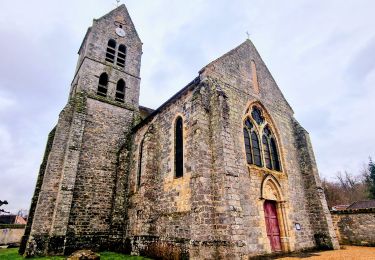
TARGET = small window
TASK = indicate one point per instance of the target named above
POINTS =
(120, 90)
(103, 85)
(121, 55)
(179, 153)
(139, 175)
(111, 51)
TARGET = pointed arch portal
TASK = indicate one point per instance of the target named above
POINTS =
(275, 215)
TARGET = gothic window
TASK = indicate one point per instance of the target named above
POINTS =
(139, 174)
(111, 51)
(120, 90)
(179, 153)
(271, 155)
(103, 85)
(252, 147)
(121, 54)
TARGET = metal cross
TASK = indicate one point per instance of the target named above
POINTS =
(118, 1)
(248, 35)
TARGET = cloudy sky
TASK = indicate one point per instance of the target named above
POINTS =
(321, 53)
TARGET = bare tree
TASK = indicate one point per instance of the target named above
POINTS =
(3, 202)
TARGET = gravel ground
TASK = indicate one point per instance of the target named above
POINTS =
(345, 253)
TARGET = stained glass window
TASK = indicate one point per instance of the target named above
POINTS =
(256, 149)
(249, 156)
(257, 115)
(266, 151)
(274, 155)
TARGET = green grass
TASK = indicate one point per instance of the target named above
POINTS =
(12, 253)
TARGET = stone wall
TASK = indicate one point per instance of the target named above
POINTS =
(355, 227)
(11, 235)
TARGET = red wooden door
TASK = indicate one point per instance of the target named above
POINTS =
(272, 224)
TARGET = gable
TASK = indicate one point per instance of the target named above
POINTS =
(236, 68)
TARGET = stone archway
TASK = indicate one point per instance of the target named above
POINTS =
(273, 206)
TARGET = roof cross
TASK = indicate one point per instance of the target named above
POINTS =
(248, 35)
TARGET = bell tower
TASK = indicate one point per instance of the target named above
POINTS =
(110, 52)
(75, 193)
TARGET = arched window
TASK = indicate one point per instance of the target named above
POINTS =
(252, 147)
(139, 174)
(275, 155)
(179, 149)
(121, 54)
(103, 85)
(271, 155)
(120, 90)
(111, 51)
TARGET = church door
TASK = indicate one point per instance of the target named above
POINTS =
(272, 225)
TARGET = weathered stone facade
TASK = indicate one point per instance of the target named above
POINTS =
(355, 227)
(108, 177)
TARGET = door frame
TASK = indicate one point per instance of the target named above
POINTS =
(271, 190)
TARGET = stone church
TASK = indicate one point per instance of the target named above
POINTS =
(222, 170)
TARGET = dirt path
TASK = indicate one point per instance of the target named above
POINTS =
(346, 253)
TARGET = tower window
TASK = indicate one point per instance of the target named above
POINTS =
(120, 90)
(103, 85)
(111, 51)
(121, 54)
(179, 153)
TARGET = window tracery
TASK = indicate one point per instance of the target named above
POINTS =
(264, 151)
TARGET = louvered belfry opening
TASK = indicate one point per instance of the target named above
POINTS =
(120, 90)
(103, 85)
(121, 55)
(111, 51)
